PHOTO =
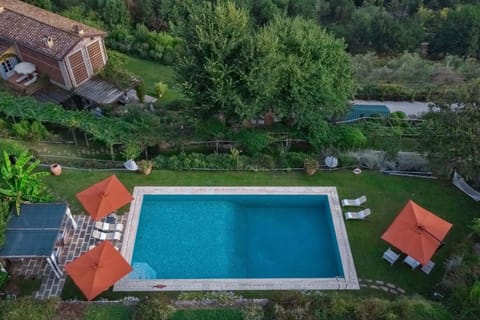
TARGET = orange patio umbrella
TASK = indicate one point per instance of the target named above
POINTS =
(98, 269)
(417, 232)
(104, 197)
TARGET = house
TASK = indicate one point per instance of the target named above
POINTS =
(67, 51)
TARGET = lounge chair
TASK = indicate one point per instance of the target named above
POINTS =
(358, 215)
(31, 81)
(109, 227)
(99, 235)
(391, 256)
(93, 246)
(428, 267)
(411, 262)
(21, 78)
(354, 202)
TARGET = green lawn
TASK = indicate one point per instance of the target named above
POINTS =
(386, 196)
(153, 72)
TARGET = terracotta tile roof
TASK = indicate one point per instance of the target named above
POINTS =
(4, 45)
(31, 26)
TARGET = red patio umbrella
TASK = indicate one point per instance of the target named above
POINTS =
(98, 269)
(417, 232)
(104, 197)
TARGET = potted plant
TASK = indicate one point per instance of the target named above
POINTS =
(310, 165)
(56, 169)
(145, 166)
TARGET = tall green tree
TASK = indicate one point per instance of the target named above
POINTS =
(450, 135)
(307, 75)
(459, 33)
(217, 59)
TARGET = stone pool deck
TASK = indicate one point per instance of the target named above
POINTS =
(348, 281)
(76, 243)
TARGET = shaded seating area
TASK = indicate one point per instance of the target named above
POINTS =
(418, 233)
(411, 262)
(391, 256)
(36, 233)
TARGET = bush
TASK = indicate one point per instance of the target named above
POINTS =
(292, 159)
(253, 312)
(140, 91)
(253, 141)
(154, 308)
(4, 276)
(160, 89)
(21, 129)
(38, 131)
(28, 309)
(348, 137)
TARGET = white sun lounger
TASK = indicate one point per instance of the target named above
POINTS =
(428, 267)
(391, 256)
(105, 226)
(21, 78)
(99, 235)
(359, 215)
(354, 202)
(411, 262)
(93, 246)
(31, 81)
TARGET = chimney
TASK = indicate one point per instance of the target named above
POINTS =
(48, 41)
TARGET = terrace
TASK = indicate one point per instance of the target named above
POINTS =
(386, 196)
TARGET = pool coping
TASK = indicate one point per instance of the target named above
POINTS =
(348, 282)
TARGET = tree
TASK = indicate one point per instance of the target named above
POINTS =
(459, 33)
(306, 75)
(216, 61)
(450, 137)
(19, 182)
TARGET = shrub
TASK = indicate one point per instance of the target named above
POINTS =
(347, 160)
(160, 89)
(253, 141)
(263, 161)
(21, 129)
(348, 137)
(4, 215)
(154, 308)
(4, 276)
(28, 309)
(253, 312)
(140, 91)
(292, 159)
(224, 298)
(38, 131)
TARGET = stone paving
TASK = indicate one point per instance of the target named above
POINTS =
(76, 242)
(380, 285)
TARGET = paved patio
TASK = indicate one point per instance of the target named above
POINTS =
(77, 242)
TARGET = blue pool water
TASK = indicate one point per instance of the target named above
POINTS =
(235, 236)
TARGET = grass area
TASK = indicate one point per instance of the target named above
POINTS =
(153, 72)
(386, 197)
(114, 311)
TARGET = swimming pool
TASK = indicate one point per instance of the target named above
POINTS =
(236, 238)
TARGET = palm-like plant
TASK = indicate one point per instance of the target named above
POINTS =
(19, 183)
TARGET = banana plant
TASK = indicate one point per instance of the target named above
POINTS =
(20, 183)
